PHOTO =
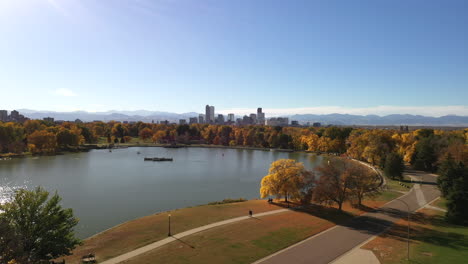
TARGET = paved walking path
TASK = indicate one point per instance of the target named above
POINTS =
(170, 239)
(334, 242)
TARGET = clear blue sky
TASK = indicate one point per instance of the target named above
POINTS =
(177, 56)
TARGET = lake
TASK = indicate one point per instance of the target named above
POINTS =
(107, 188)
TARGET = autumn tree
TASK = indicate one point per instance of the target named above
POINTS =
(287, 178)
(30, 126)
(42, 142)
(41, 228)
(364, 182)
(11, 138)
(69, 137)
(119, 131)
(333, 185)
(146, 133)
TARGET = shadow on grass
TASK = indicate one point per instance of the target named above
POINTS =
(380, 220)
(421, 233)
(183, 242)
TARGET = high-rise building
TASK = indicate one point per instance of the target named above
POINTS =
(14, 115)
(260, 116)
(212, 114)
(278, 121)
(201, 119)
(48, 119)
(193, 120)
(246, 120)
(182, 121)
(231, 118)
(3, 115)
(253, 117)
(209, 114)
(220, 119)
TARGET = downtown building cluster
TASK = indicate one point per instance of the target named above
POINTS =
(253, 119)
(14, 116)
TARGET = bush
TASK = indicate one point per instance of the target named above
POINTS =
(227, 201)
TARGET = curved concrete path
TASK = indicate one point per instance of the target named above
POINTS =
(170, 239)
(332, 243)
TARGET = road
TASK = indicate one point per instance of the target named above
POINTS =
(331, 244)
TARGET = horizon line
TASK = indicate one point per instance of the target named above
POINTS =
(381, 111)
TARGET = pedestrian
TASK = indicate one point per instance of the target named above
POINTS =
(250, 213)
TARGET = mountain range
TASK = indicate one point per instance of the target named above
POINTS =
(334, 119)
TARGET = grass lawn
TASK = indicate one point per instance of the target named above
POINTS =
(387, 195)
(395, 184)
(432, 241)
(441, 203)
(148, 229)
(300, 225)
(242, 242)
(250, 240)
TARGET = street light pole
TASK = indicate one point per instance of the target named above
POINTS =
(169, 233)
(408, 236)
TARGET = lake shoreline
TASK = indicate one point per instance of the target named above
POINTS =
(89, 147)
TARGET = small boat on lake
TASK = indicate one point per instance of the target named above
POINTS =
(158, 159)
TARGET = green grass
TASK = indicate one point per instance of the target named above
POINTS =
(441, 243)
(387, 195)
(285, 236)
(395, 184)
(441, 203)
(433, 241)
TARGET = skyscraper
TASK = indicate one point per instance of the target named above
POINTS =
(201, 119)
(3, 115)
(231, 118)
(260, 116)
(212, 114)
(207, 114)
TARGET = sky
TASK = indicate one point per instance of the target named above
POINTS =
(289, 57)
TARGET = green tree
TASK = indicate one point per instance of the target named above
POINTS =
(43, 229)
(394, 166)
(425, 155)
(448, 172)
(9, 246)
(457, 197)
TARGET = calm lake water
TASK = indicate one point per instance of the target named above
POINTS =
(107, 188)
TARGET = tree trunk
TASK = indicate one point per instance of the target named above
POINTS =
(339, 206)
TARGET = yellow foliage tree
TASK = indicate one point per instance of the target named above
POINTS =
(286, 178)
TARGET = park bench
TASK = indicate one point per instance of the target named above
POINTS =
(90, 258)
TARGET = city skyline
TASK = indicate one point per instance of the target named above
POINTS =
(318, 57)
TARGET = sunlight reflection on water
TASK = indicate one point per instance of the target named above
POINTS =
(7, 191)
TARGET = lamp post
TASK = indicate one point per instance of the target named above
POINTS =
(169, 233)
(408, 237)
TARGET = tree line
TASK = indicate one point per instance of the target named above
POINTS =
(335, 182)
(423, 149)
